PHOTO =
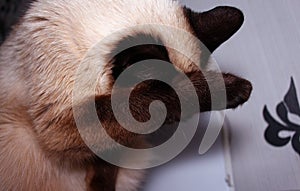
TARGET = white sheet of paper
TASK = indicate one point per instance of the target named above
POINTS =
(190, 171)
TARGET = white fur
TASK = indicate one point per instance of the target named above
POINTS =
(129, 180)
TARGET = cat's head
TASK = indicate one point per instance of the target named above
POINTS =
(186, 42)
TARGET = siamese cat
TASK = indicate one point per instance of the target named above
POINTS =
(40, 146)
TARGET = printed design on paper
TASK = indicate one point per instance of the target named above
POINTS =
(286, 110)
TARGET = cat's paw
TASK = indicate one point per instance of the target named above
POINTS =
(238, 90)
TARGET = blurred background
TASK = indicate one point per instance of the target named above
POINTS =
(10, 12)
(267, 52)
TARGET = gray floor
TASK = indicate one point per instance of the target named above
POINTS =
(267, 52)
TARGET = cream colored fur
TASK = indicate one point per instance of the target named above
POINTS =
(37, 66)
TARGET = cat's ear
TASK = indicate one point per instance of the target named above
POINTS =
(215, 26)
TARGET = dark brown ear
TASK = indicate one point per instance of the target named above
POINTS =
(216, 26)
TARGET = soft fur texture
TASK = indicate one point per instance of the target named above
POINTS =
(40, 147)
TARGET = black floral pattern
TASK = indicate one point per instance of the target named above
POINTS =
(290, 105)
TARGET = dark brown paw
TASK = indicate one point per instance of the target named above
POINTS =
(238, 90)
